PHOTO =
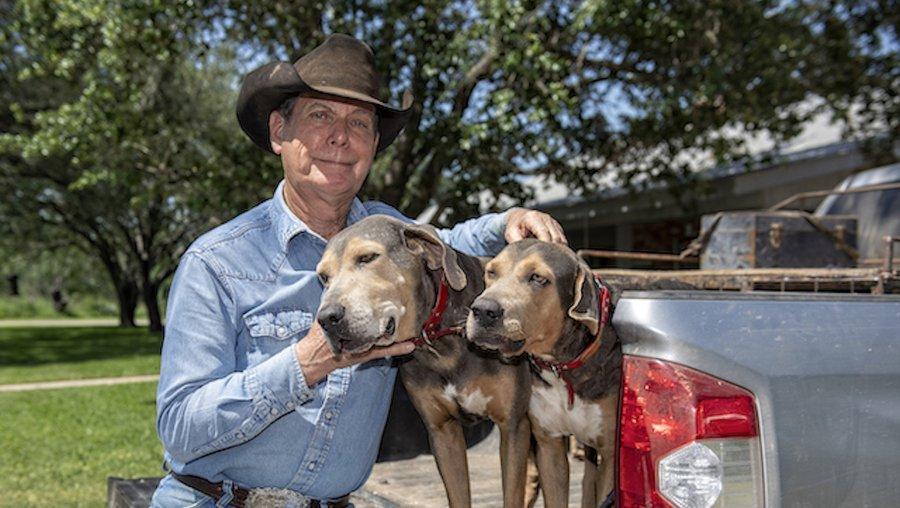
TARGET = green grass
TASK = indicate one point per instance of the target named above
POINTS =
(35, 307)
(53, 353)
(57, 447)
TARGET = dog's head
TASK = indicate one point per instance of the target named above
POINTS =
(534, 290)
(374, 273)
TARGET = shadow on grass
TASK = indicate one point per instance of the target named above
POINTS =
(37, 346)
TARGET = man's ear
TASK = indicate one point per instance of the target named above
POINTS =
(424, 240)
(276, 126)
(586, 301)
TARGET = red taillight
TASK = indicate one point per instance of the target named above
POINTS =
(666, 406)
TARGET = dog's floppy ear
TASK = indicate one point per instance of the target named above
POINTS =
(424, 240)
(586, 302)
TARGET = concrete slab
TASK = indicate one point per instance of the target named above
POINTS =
(416, 482)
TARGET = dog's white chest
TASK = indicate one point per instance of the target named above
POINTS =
(549, 407)
(473, 401)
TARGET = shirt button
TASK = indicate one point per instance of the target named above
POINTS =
(328, 415)
(240, 435)
(311, 466)
(273, 411)
(290, 404)
(281, 331)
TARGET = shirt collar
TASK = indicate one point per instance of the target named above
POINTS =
(287, 225)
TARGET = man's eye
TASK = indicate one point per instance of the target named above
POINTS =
(319, 115)
(360, 124)
(538, 280)
(323, 279)
(366, 258)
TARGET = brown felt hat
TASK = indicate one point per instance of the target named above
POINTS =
(341, 66)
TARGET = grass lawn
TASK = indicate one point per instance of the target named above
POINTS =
(57, 447)
(54, 353)
(34, 306)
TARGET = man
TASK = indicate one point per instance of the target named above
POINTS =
(251, 400)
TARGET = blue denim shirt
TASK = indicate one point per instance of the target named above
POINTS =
(232, 403)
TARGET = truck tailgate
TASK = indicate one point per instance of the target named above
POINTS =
(825, 371)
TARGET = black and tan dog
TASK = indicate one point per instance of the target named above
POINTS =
(385, 282)
(541, 299)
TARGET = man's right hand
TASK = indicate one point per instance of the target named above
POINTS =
(317, 359)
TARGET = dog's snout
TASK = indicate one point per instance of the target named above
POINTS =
(330, 316)
(487, 312)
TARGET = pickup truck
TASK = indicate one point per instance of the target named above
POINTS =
(761, 398)
(778, 387)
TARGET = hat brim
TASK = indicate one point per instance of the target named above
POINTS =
(267, 87)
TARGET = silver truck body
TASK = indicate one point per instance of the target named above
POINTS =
(825, 371)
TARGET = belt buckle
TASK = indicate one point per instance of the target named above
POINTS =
(268, 497)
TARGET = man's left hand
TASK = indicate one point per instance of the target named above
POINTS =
(523, 223)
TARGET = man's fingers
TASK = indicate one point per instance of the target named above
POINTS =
(396, 349)
(525, 223)
(538, 227)
(514, 234)
(556, 231)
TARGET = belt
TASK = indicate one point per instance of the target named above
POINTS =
(239, 495)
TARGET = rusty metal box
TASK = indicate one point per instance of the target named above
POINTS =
(780, 239)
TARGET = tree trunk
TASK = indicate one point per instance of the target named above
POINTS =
(13, 281)
(127, 293)
(60, 302)
(151, 301)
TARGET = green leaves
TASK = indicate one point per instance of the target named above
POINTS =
(126, 108)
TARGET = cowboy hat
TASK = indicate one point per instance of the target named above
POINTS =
(342, 66)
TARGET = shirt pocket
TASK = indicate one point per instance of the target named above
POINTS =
(272, 331)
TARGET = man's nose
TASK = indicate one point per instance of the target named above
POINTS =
(486, 311)
(339, 133)
(331, 316)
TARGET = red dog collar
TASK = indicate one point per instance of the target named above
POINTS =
(560, 369)
(431, 329)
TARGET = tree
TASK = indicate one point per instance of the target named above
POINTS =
(142, 154)
(118, 117)
(577, 89)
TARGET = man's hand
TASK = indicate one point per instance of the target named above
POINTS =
(523, 223)
(317, 360)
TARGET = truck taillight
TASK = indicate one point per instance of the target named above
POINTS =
(686, 439)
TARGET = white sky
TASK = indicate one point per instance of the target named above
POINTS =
(818, 132)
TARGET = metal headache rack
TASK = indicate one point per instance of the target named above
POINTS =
(767, 250)
(880, 278)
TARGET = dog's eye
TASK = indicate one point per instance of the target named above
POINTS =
(323, 279)
(538, 280)
(490, 273)
(367, 258)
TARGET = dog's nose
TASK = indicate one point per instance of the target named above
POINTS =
(487, 312)
(330, 316)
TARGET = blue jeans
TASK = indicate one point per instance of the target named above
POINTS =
(171, 493)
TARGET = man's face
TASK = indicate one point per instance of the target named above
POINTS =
(326, 145)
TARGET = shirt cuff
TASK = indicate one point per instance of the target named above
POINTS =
(283, 378)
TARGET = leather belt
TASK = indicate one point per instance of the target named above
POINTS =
(239, 495)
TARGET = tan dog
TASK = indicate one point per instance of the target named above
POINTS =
(541, 299)
(383, 281)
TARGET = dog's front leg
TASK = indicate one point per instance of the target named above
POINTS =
(553, 467)
(590, 482)
(449, 447)
(515, 442)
